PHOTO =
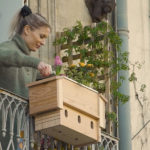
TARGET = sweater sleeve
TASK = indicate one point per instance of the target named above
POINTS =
(14, 58)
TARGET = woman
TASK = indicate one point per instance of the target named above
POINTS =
(17, 67)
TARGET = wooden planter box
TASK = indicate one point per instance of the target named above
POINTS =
(67, 110)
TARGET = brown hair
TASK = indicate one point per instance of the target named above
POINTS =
(26, 17)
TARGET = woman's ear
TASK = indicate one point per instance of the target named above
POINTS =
(27, 29)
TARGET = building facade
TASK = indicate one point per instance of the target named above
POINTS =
(132, 21)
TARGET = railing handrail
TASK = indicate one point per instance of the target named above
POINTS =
(108, 135)
(11, 94)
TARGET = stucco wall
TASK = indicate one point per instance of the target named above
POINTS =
(70, 11)
(139, 50)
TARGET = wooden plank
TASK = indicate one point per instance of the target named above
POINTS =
(67, 135)
(79, 97)
(102, 110)
(47, 120)
(43, 97)
(44, 81)
(82, 126)
(59, 93)
(81, 111)
(68, 128)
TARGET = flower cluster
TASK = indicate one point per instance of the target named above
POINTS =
(85, 74)
(58, 65)
(58, 61)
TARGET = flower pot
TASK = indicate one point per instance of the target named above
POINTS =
(67, 110)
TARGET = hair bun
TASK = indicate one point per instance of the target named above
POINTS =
(25, 11)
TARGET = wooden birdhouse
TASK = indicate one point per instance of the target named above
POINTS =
(67, 110)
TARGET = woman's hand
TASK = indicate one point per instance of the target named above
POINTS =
(45, 69)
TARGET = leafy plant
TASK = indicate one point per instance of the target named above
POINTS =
(97, 50)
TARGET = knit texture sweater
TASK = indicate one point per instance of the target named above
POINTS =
(17, 67)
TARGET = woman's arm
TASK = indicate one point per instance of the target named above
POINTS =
(14, 58)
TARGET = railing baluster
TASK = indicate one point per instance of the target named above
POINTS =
(59, 145)
(31, 129)
(45, 142)
(52, 143)
(65, 146)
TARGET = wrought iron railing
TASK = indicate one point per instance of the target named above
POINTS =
(15, 134)
(14, 122)
(44, 142)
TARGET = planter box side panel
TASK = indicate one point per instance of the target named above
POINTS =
(80, 122)
(80, 97)
(65, 126)
(43, 97)
(102, 113)
(47, 120)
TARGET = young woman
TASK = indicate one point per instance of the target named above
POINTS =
(17, 67)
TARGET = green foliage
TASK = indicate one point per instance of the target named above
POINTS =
(133, 77)
(112, 117)
(143, 86)
(98, 64)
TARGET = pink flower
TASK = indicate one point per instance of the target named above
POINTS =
(58, 61)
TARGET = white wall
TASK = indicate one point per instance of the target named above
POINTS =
(139, 50)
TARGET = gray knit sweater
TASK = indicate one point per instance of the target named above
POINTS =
(17, 67)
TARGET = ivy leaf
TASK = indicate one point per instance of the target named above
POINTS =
(143, 86)
(133, 77)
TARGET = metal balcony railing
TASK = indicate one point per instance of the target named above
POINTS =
(14, 122)
(44, 142)
(15, 134)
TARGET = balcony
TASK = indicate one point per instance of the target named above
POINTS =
(17, 129)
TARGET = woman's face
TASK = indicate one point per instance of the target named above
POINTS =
(35, 38)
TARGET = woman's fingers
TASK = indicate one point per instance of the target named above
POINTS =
(45, 69)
